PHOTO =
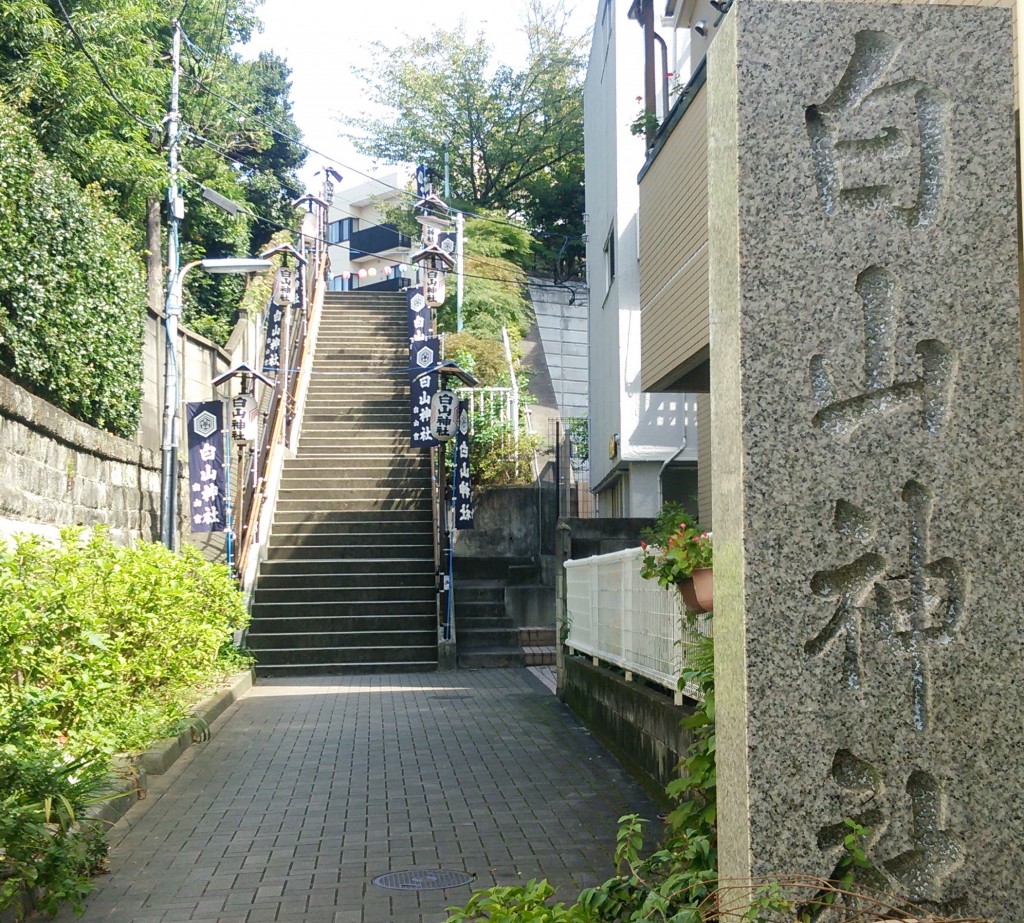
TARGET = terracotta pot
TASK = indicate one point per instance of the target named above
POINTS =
(696, 590)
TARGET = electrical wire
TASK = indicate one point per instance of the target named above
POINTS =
(312, 150)
(99, 73)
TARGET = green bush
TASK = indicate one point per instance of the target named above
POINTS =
(496, 458)
(46, 846)
(110, 641)
(72, 294)
(102, 648)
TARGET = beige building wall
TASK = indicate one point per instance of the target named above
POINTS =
(673, 250)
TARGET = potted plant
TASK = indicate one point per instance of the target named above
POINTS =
(679, 553)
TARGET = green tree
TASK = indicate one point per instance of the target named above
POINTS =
(92, 77)
(495, 285)
(514, 136)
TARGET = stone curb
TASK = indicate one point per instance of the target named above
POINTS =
(131, 774)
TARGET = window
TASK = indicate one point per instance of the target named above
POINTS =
(609, 258)
(337, 231)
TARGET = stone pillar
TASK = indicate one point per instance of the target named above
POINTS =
(866, 446)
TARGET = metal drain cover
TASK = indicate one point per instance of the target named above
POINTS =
(423, 880)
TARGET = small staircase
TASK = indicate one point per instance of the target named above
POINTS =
(486, 634)
(348, 581)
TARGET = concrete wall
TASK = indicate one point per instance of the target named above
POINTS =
(56, 471)
(583, 538)
(563, 333)
(199, 362)
(510, 522)
(640, 725)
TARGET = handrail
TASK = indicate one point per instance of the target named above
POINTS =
(284, 415)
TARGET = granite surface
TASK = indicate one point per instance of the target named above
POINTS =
(866, 430)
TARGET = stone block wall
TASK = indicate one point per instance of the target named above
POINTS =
(56, 471)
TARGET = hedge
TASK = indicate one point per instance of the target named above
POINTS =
(72, 292)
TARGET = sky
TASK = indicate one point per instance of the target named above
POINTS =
(322, 40)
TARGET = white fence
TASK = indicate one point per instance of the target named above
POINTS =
(617, 616)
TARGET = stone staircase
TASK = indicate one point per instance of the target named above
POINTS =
(486, 635)
(348, 581)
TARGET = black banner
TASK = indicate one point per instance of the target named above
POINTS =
(419, 313)
(423, 355)
(272, 350)
(207, 475)
(462, 498)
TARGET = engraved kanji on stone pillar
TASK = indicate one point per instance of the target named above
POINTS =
(863, 161)
(930, 391)
(852, 583)
(918, 873)
(923, 604)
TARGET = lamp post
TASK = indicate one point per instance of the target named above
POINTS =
(169, 444)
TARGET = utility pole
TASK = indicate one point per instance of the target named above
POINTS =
(175, 208)
(460, 230)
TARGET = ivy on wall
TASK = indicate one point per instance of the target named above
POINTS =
(72, 293)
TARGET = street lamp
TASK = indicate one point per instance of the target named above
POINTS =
(169, 445)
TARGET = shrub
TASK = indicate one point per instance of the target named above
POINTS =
(110, 641)
(45, 845)
(72, 294)
(496, 458)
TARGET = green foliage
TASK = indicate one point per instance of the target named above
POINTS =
(482, 357)
(495, 285)
(108, 640)
(678, 546)
(578, 431)
(44, 844)
(514, 136)
(496, 457)
(527, 903)
(227, 106)
(101, 649)
(72, 296)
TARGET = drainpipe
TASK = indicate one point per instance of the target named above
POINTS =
(668, 461)
(664, 75)
(646, 11)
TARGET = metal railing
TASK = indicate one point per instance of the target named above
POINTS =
(616, 616)
(281, 408)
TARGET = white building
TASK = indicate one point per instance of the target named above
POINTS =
(367, 252)
(643, 446)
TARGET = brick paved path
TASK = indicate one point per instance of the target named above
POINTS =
(310, 788)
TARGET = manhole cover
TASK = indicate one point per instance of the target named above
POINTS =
(422, 880)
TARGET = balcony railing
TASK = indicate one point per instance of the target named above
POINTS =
(376, 241)
(617, 616)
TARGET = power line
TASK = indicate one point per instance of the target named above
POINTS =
(312, 150)
(99, 72)
(278, 226)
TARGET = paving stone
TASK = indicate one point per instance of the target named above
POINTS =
(310, 788)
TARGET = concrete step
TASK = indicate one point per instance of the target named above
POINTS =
(374, 518)
(299, 592)
(319, 641)
(383, 656)
(470, 637)
(381, 551)
(397, 583)
(319, 533)
(342, 608)
(293, 624)
(491, 659)
(399, 572)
